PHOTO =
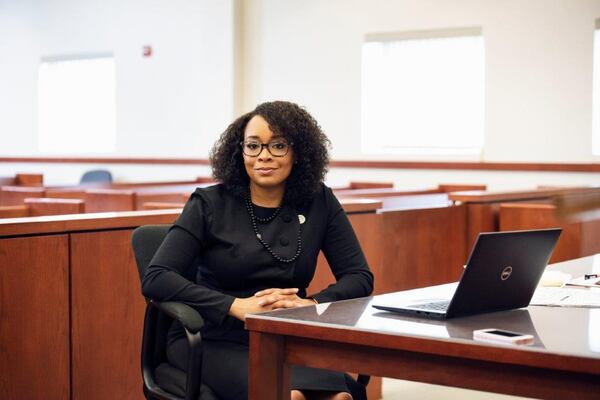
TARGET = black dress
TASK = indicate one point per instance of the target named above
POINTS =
(212, 255)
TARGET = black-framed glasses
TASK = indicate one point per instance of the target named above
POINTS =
(277, 148)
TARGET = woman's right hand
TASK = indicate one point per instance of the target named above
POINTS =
(260, 302)
(242, 306)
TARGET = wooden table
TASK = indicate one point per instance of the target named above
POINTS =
(564, 361)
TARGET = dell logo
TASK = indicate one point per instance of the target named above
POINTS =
(506, 273)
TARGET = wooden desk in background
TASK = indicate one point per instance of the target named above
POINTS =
(483, 207)
(564, 362)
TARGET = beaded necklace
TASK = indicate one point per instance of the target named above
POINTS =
(254, 219)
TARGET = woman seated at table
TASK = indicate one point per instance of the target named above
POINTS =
(252, 243)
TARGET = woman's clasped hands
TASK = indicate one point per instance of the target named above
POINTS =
(267, 300)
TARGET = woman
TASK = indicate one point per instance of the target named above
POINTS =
(250, 244)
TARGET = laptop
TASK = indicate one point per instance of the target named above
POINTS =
(502, 273)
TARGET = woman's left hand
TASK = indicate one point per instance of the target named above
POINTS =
(282, 298)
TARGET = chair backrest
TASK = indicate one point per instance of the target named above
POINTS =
(96, 175)
(145, 240)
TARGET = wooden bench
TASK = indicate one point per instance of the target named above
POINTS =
(15, 195)
(29, 179)
(72, 310)
(66, 193)
(91, 285)
(579, 237)
(369, 185)
(144, 197)
(103, 200)
(22, 180)
(14, 211)
(33, 207)
(46, 206)
(161, 206)
(483, 207)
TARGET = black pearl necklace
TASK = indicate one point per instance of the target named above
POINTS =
(254, 219)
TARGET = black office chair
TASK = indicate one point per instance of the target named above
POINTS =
(162, 380)
(96, 176)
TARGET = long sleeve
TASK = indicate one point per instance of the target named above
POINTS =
(171, 272)
(345, 257)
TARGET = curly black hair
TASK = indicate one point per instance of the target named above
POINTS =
(296, 125)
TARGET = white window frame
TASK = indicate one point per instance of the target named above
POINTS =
(383, 121)
(77, 104)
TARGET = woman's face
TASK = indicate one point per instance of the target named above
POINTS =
(266, 170)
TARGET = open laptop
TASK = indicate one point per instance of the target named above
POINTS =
(502, 273)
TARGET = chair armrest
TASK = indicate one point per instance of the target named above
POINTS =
(188, 317)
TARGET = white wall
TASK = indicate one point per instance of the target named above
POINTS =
(172, 104)
(538, 66)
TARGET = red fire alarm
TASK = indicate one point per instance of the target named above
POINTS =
(147, 51)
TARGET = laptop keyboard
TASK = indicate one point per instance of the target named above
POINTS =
(437, 306)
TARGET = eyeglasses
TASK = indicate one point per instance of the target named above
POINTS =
(277, 148)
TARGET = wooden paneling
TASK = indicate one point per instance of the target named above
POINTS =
(45, 206)
(370, 185)
(408, 248)
(481, 217)
(107, 316)
(102, 200)
(29, 179)
(34, 318)
(379, 192)
(480, 196)
(85, 222)
(368, 231)
(161, 206)
(16, 195)
(578, 238)
(66, 193)
(459, 187)
(14, 211)
(421, 248)
(143, 198)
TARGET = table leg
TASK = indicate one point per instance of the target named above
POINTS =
(268, 375)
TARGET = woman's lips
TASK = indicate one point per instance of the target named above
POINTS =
(265, 171)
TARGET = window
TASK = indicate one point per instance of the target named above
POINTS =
(77, 105)
(596, 93)
(423, 92)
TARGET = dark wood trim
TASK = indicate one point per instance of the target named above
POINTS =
(84, 222)
(484, 166)
(481, 196)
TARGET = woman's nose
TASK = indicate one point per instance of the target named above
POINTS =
(264, 154)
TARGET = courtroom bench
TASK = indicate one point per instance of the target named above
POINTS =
(82, 266)
(483, 207)
(580, 233)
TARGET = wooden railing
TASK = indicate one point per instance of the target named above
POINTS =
(77, 274)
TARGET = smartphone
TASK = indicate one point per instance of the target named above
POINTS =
(502, 336)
